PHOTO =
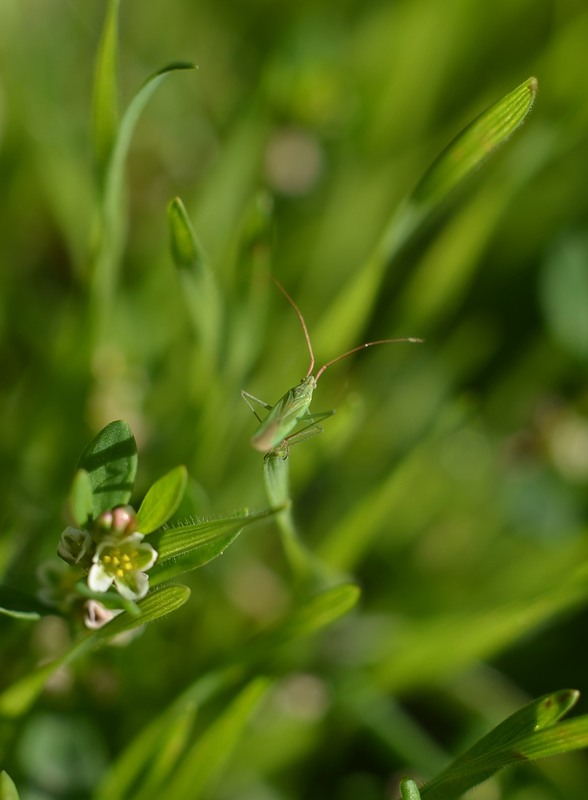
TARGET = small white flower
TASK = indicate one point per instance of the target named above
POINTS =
(75, 546)
(123, 562)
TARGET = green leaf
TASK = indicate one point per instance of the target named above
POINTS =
(532, 732)
(207, 760)
(104, 111)
(162, 500)
(7, 788)
(186, 250)
(158, 603)
(20, 605)
(113, 218)
(473, 145)
(111, 462)
(197, 281)
(311, 616)
(81, 498)
(409, 790)
(349, 311)
(188, 547)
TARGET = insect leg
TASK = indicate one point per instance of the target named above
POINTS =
(250, 397)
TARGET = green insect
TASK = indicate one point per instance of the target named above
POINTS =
(276, 431)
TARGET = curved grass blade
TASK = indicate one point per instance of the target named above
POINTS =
(532, 732)
(113, 218)
(17, 604)
(162, 500)
(111, 463)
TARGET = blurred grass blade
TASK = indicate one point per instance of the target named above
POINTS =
(7, 788)
(142, 751)
(81, 498)
(19, 697)
(206, 761)
(530, 733)
(409, 790)
(188, 547)
(162, 500)
(17, 604)
(309, 617)
(172, 741)
(113, 217)
(459, 159)
(158, 603)
(197, 281)
(105, 111)
(473, 145)
(111, 462)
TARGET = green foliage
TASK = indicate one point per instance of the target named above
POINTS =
(450, 483)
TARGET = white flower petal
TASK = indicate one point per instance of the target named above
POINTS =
(134, 587)
(98, 579)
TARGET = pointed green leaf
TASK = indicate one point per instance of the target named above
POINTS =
(111, 462)
(409, 790)
(196, 279)
(188, 547)
(474, 144)
(186, 250)
(309, 617)
(81, 499)
(104, 112)
(175, 732)
(158, 603)
(17, 604)
(7, 788)
(531, 732)
(162, 500)
(206, 761)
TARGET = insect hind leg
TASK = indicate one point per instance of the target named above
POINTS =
(250, 397)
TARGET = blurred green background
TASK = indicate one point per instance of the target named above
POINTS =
(451, 484)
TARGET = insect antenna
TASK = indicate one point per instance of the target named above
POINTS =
(361, 347)
(302, 322)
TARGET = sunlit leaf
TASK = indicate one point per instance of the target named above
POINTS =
(409, 790)
(81, 498)
(111, 462)
(532, 732)
(162, 500)
(158, 603)
(474, 144)
(191, 546)
(7, 788)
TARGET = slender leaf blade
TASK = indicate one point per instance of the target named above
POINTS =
(188, 547)
(158, 603)
(162, 500)
(206, 761)
(105, 107)
(474, 144)
(20, 605)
